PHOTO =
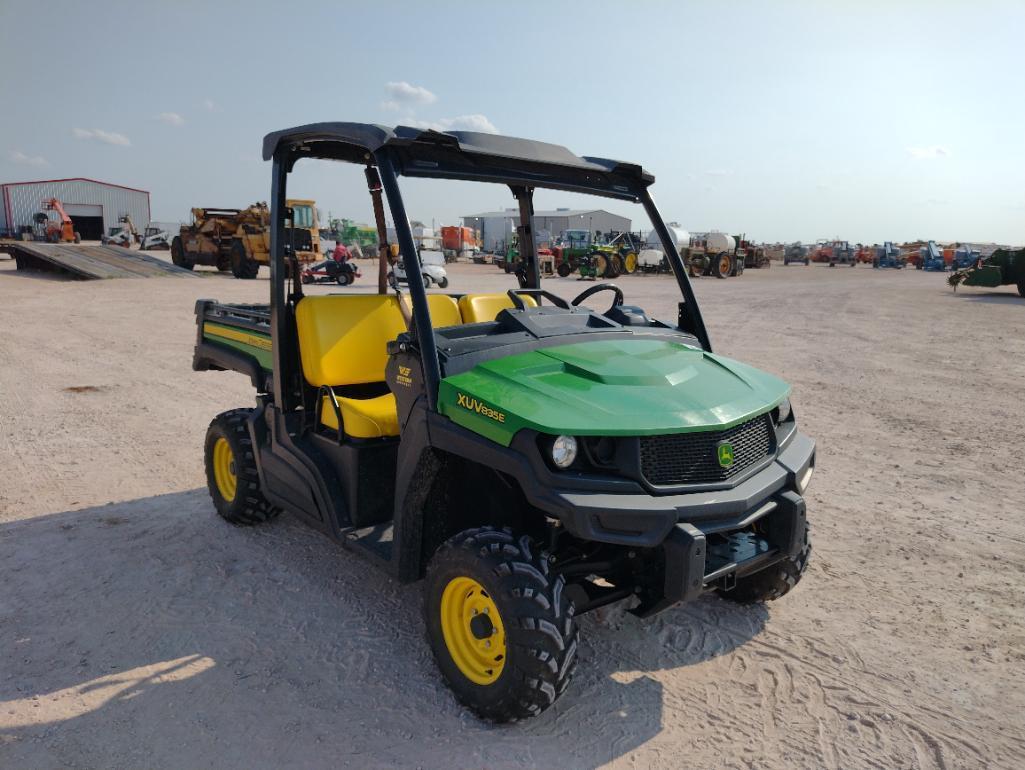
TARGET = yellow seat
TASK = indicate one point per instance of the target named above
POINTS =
(362, 417)
(343, 340)
(475, 308)
(444, 311)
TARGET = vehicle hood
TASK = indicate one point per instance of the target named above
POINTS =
(631, 386)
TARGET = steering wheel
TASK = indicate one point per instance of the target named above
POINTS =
(616, 302)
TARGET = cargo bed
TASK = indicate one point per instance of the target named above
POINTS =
(235, 338)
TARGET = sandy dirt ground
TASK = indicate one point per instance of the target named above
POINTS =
(137, 629)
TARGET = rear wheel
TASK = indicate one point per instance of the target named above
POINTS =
(773, 582)
(443, 283)
(242, 265)
(78, 237)
(231, 475)
(501, 627)
(614, 267)
(723, 264)
(178, 254)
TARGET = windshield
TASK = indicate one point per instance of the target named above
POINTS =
(303, 216)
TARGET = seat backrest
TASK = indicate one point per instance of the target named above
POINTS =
(444, 311)
(343, 338)
(475, 308)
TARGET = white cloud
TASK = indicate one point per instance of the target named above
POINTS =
(474, 122)
(171, 118)
(927, 153)
(391, 106)
(402, 91)
(209, 105)
(28, 160)
(99, 135)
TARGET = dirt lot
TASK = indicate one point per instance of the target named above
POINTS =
(139, 630)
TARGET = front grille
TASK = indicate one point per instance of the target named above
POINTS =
(303, 238)
(693, 458)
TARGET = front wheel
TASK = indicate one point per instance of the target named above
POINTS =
(563, 269)
(242, 265)
(231, 474)
(501, 627)
(427, 281)
(772, 582)
(178, 254)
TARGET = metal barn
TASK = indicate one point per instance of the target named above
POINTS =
(497, 227)
(93, 206)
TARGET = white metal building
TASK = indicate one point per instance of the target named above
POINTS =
(497, 227)
(93, 206)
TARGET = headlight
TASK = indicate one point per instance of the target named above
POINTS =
(783, 410)
(564, 451)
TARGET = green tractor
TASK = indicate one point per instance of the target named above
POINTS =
(525, 456)
(1004, 267)
(576, 250)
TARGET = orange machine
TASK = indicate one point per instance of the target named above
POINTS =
(459, 239)
(64, 232)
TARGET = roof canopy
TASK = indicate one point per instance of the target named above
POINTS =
(464, 155)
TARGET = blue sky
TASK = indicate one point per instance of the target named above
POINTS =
(869, 121)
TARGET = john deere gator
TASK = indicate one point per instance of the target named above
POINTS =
(526, 456)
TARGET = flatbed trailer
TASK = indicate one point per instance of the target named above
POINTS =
(89, 261)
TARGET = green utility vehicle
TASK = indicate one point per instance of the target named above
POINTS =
(1004, 267)
(528, 458)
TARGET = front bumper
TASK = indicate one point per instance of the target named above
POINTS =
(644, 520)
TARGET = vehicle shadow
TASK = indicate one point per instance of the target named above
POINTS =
(992, 297)
(151, 632)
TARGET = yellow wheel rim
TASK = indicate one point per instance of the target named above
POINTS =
(224, 469)
(631, 262)
(724, 264)
(473, 630)
(600, 266)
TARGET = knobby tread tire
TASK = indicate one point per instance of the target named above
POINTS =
(773, 582)
(242, 265)
(538, 615)
(249, 506)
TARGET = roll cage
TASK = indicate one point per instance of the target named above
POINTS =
(388, 153)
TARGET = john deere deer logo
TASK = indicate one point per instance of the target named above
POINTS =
(725, 452)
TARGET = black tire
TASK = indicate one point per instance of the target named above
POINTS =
(248, 505)
(613, 267)
(443, 283)
(78, 237)
(773, 582)
(564, 269)
(534, 610)
(1021, 288)
(722, 265)
(242, 265)
(178, 254)
(224, 264)
(427, 281)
